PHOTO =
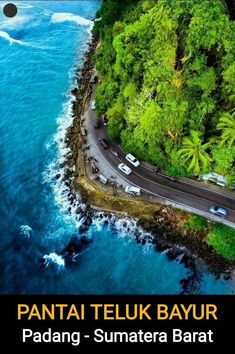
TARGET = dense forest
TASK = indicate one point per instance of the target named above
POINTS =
(167, 82)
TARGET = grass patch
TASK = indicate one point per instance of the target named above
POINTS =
(197, 223)
(222, 238)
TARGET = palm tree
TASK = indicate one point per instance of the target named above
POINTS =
(227, 126)
(193, 153)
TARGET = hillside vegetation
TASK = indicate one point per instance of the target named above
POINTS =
(167, 82)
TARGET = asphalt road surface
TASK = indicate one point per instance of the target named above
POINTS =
(182, 193)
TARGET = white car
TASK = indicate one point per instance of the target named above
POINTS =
(93, 105)
(132, 190)
(124, 168)
(132, 160)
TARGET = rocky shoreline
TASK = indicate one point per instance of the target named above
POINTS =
(72, 140)
(180, 240)
(165, 224)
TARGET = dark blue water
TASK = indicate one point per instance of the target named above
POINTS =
(40, 50)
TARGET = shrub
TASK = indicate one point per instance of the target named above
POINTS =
(197, 223)
(222, 238)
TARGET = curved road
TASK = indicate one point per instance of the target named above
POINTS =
(182, 193)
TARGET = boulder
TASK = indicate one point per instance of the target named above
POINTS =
(74, 91)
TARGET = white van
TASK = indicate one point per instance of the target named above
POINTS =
(133, 190)
(103, 179)
(93, 106)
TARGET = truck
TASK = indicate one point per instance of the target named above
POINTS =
(103, 179)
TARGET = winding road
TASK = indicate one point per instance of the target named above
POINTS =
(184, 193)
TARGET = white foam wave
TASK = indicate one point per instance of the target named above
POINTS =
(55, 174)
(25, 231)
(128, 226)
(65, 17)
(69, 202)
(125, 226)
(166, 251)
(12, 40)
(54, 258)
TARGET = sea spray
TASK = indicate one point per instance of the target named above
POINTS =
(57, 171)
(26, 231)
(54, 258)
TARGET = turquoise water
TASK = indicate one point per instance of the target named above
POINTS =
(40, 49)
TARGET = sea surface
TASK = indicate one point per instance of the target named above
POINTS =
(40, 50)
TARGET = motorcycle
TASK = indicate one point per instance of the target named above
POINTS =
(114, 153)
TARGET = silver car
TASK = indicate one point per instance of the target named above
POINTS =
(218, 211)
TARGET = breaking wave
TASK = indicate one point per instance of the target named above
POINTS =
(54, 175)
(64, 17)
(54, 258)
(12, 40)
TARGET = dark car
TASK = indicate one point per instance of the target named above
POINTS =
(96, 123)
(104, 143)
(105, 119)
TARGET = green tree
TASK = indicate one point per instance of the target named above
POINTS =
(147, 5)
(194, 153)
(227, 126)
(167, 68)
(116, 120)
(224, 158)
(229, 82)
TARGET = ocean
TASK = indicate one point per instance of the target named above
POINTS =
(41, 48)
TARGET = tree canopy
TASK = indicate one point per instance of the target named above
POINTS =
(167, 72)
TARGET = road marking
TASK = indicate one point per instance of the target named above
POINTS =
(147, 168)
(199, 211)
(175, 203)
(184, 206)
(117, 172)
(205, 188)
(177, 190)
(196, 185)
